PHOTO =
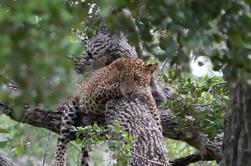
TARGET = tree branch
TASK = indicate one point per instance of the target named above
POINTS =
(4, 161)
(216, 84)
(51, 120)
(138, 46)
(101, 50)
(190, 159)
(148, 143)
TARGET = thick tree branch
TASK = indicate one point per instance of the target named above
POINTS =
(4, 161)
(190, 159)
(101, 50)
(134, 116)
(51, 120)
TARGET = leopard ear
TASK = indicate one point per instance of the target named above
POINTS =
(152, 67)
(119, 64)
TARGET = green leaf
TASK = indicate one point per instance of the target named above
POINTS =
(96, 127)
(4, 131)
(78, 141)
(248, 1)
(127, 148)
(3, 143)
(206, 96)
(18, 150)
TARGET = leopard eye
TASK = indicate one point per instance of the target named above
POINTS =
(136, 77)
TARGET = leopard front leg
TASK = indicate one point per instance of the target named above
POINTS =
(68, 117)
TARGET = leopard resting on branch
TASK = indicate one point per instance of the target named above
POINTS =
(121, 78)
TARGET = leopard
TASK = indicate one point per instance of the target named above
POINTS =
(121, 78)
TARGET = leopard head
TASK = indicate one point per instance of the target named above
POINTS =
(134, 74)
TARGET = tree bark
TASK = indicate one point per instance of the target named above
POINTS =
(4, 161)
(148, 142)
(237, 126)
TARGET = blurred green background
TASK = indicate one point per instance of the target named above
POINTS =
(38, 40)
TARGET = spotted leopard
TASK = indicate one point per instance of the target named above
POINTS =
(123, 77)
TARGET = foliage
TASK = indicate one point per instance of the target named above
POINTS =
(31, 35)
(218, 29)
(23, 140)
(118, 140)
(198, 102)
(35, 42)
(177, 149)
(27, 144)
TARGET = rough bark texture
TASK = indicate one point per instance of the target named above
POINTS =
(237, 126)
(4, 161)
(135, 118)
(100, 51)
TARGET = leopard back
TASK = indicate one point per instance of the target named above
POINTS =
(123, 77)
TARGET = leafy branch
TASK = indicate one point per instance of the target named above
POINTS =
(195, 104)
(113, 135)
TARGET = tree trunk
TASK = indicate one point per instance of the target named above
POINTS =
(237, 126)
(148, 142)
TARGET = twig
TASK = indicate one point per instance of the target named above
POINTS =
(75, 146)
(202, 105)
(46, 147)
(79, 151)
(216, 84)
(163, 66)
(138, 46)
